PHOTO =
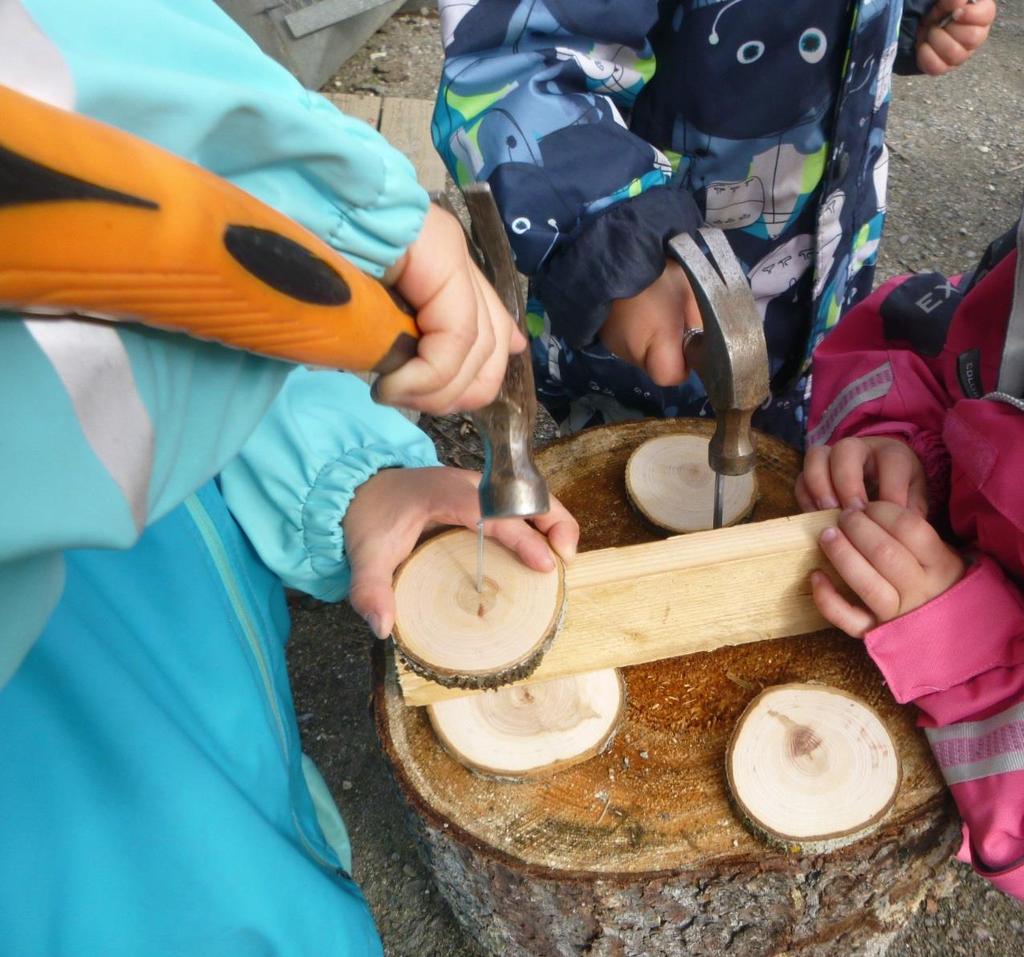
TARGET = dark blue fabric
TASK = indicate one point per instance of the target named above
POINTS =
(634, 232)
(768, 114)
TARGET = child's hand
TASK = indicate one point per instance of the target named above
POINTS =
(467, 334)
(839, 476)
(391, 510)
(891, 558)
(647, 329)
(941, 48)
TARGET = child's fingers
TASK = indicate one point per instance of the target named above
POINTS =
(663, 359)
(980, 13)
(561, 529)
(491, 350)
(887, 555)
(880, 597)
(371, 594)
(953, 43)
(900, 478)
(914, 533)
(836, 610)
(803, 497)
(850, 460)
(817, 477)
(523, 539)
(910, 530)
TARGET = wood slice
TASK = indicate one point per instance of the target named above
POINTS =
(639, 851)
(461, 638)
(812, 767)
(535, 730)
(670, 483)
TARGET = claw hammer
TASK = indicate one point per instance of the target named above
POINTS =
(512, 486)
(729, 354)
(99, 224)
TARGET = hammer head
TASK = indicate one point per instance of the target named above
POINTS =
(730, 354)
(511, 484)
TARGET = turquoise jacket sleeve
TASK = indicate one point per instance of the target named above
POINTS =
(293, 480)
(182, 74)
(106, 429)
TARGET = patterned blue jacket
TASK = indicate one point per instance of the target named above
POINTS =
(604, 128)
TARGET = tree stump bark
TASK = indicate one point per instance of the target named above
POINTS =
(638, 852)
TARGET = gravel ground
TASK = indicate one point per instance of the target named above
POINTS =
(957, 174)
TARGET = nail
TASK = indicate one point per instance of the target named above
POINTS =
(376, 624)
(856, 505)
(829, 535)
(828, 501)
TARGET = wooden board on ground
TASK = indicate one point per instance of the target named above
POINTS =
(365, 108)
(405, 124)
(638, 850)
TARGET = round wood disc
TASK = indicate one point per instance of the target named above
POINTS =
(670, 483)
(451, 633)
(532, 730)
(812, 766)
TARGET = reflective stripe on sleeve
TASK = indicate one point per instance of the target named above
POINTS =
(980, 749)
(93, 365)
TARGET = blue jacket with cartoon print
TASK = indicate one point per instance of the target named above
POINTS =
(155, 493)
(606, 128)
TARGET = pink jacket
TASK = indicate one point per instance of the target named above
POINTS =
(920, 360)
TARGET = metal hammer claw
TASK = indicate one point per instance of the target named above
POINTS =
(730, 354)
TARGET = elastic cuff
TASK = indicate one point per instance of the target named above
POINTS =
(616, 256)
(329, 497)
(951, 639)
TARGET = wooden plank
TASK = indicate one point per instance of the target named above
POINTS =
(682, 595)
(405, 123)
(365, 108)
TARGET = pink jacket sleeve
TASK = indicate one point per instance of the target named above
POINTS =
(863, 386)
(960, 658)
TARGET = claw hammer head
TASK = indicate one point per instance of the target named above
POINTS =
(511, 486)
(730, 354)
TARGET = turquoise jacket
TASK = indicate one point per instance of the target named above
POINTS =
(136, 420)
(156, 492)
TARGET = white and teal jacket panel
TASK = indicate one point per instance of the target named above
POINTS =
(154, 794)
(106, 430)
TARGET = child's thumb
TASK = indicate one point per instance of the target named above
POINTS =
(371, 594)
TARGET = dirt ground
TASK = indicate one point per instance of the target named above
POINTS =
(957, 175)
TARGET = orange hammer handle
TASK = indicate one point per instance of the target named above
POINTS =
(97, 222)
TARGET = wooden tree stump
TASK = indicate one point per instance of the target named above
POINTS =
(639, 850)
(459, 637)
(533, 730)
(670, 483)
(811, 767)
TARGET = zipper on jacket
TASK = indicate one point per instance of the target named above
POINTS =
(239, 604)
